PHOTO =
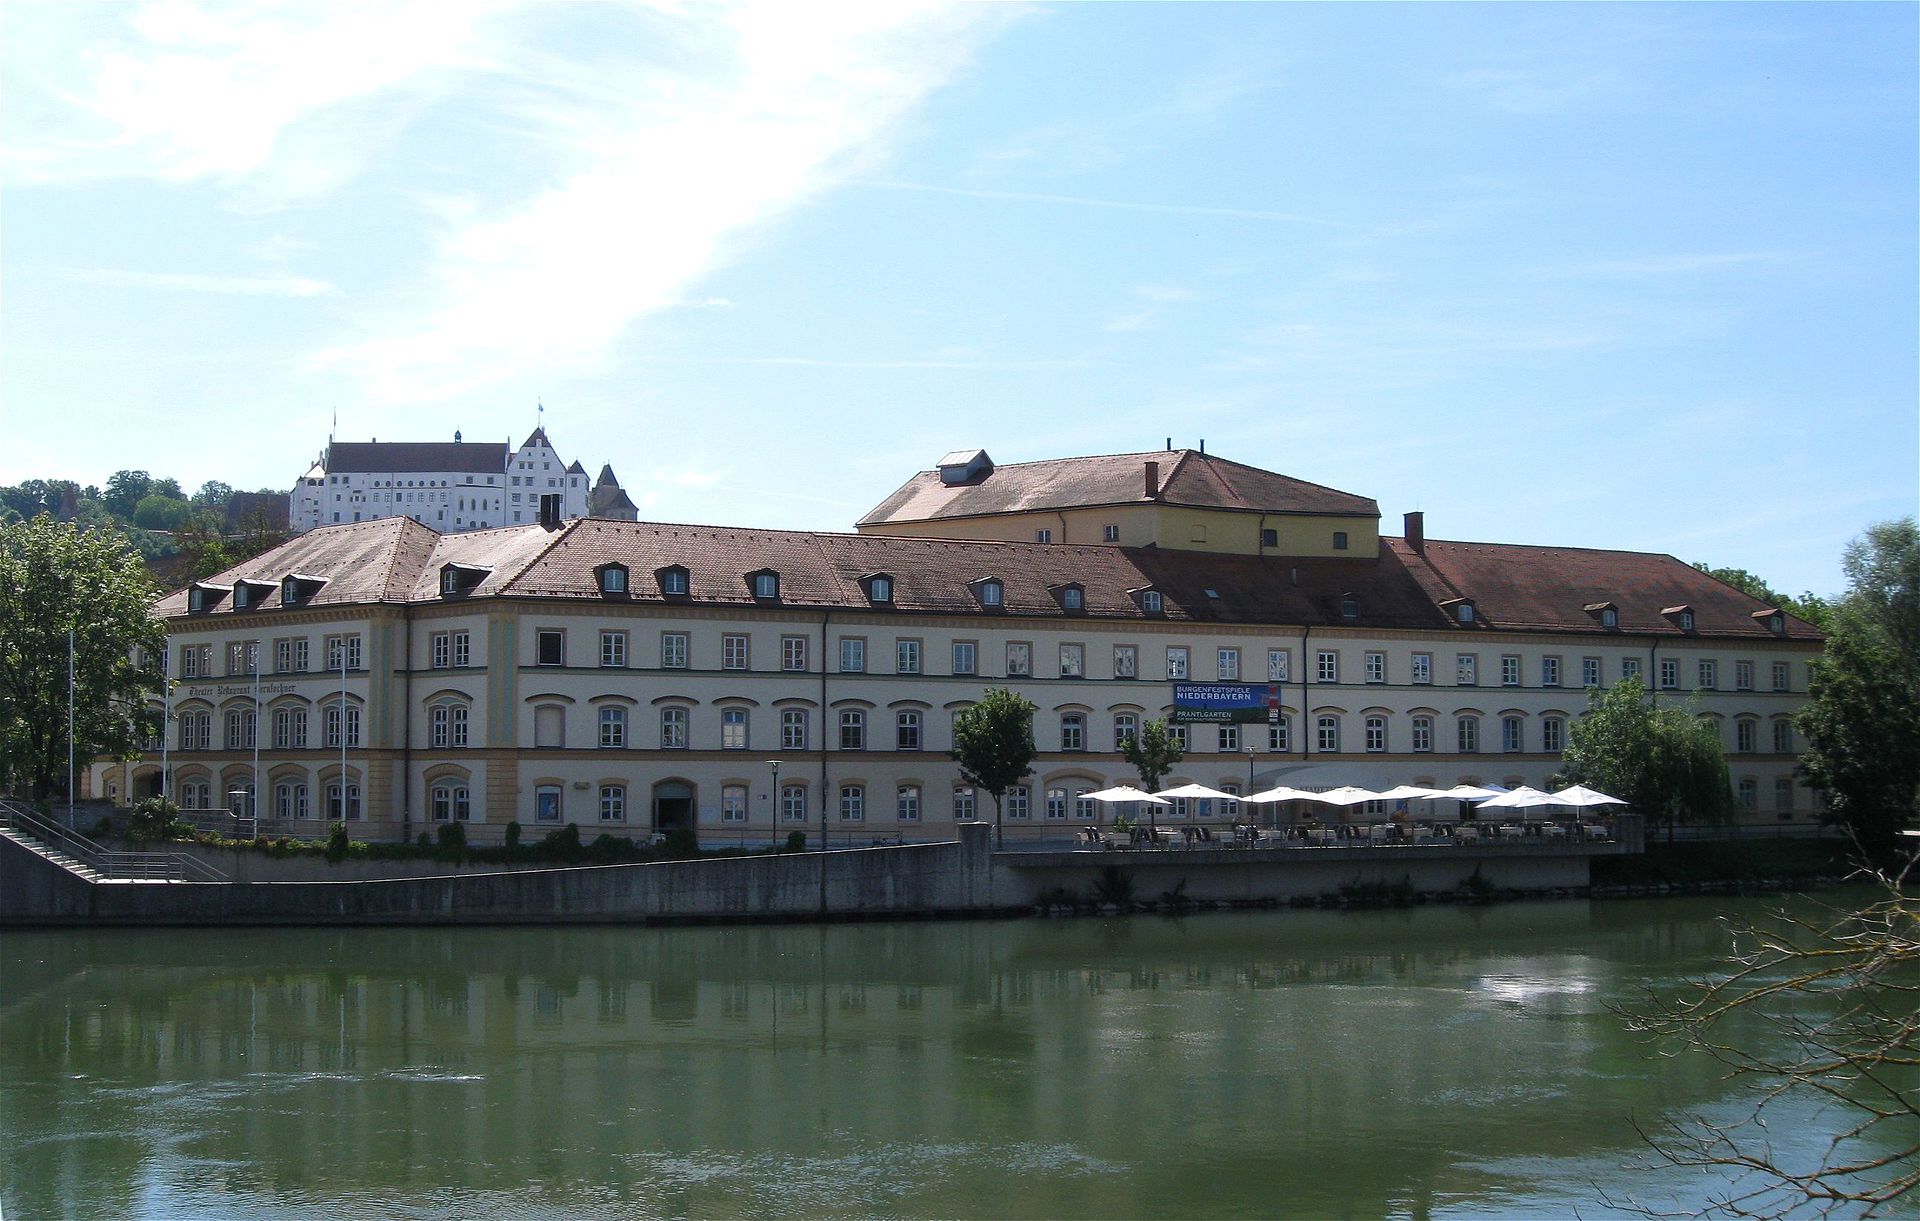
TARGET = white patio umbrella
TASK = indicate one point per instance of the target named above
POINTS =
(1191, 791)
(1412, 792)
(1581, 797)
(1525, 797)
(1126, 792)
(1469, 792)
(1345, 795)
(1282, 793)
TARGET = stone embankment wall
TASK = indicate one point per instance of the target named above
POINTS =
(965, 877)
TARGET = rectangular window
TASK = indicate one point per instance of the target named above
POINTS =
(1783, 795)
(673, 729)
(1744, 735)
(1327, 730)
(1073, 732)
(1422, 668)
(733, 651)
(1749, 792)
(1629, 667)
(1279, 665)
(1783, 737)
(1073, 660)
(1227, 663)
(1177, 662)
(1376, 667)
(289, 728)
(1669, 674)
(1019, 802)
(1510, 731)
(1590, 675)
(1043, 535)
(613, 803)
(906, 731)
(1126, 661)
(1549, 671)
(1709, 675)
(341, 730)
(906, 657)
(1019, 658)
(1553, 735)
(733, 729)
(1182, 736)
(793, 653)
(1110, 533)
(1327, 666)
(1125, 725)
(853, 655)
(613, 728)
(793, 803)
(1469, 735)
(853, 729)
(733, 803)
(440, 651)
(1280, 735)
(1376, 734)
(1509, 670)
(550, 647)
(243, 656)
(1780, 676)
(240, 730)
(966, 657)
(907, 803)
(1743, 676)
(289, 656)
(1229, 737)
(853, 803)
(1056, 805)
(343, 650)
(613, 650)
(963, 806)
(1464, 666)
(673, 650)
(546, 803)
(1422, 734)
(793, 729)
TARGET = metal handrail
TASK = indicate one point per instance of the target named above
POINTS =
(132, 866)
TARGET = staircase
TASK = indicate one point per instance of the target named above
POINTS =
(86, 859)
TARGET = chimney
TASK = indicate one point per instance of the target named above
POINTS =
(1203, 445)
(1153, 481)
(1416, 532)
(550, 512)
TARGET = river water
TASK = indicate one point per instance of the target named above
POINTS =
(1440, 1061)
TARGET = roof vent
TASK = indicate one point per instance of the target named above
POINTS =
(965, 466)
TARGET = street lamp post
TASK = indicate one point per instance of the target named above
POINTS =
(1252, 819)
(773, 805)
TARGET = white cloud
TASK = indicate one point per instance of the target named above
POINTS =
(191, 282)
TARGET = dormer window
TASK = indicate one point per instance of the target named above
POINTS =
(991, 592)
(1461, 610)
(459, 579)
(1350, 608)
(203, 597)
(673, 580)
(298, 587)
(612, 579)
(1072, 597)
(1606, 613)
(249, 594)
(878, 587)
(1680, 616)
(1150, 601)
(765, 584)
(1772, 620)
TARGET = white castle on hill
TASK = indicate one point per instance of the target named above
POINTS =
(452, 486)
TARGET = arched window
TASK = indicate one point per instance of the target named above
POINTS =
(793, 729)
(450, 801)
(1423, 734)
(1468, 731)
(1376, 734)
(1327, 731)
(343, 801)
(673, 728)
(447, 724)
(342, 724)
(289, 727)
(853, 729)
(290, 799)
(1511, 731)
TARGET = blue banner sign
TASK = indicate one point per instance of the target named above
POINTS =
(1224, 703)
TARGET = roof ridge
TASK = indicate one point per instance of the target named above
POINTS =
(565, 532)
(393, 557)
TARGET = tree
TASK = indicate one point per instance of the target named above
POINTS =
(1153, 752)
(1864, 697)
(1818, 1010)
(125, 491)
(198, 538)
(1664, 761)
(1808, 606)
(993, 744)
(213, 496)
(160, 513)
(55, 578)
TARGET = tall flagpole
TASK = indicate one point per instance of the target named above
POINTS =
(166, 715)
(343, 728)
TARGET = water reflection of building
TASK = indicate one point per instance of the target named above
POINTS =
(632, 677)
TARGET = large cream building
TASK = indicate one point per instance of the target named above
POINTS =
(632, 677)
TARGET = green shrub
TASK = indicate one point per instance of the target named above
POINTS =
(156, 818)
(1114, 885)
(453, 840)
(796, 841)
(561, 845)
(337, 842)
(512, 839)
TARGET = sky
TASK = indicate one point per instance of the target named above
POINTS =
(1635, 276)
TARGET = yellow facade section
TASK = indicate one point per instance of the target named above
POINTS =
(1173, 527)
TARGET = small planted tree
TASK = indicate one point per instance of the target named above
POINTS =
(993, 744)
(1153, 752)
(1665, 762)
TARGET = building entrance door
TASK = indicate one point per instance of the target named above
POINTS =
(673, 807)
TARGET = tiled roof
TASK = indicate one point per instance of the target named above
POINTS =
(1186, 477)
(1527, 588)
(1514, 588)
(398, 457)
(369, 561)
